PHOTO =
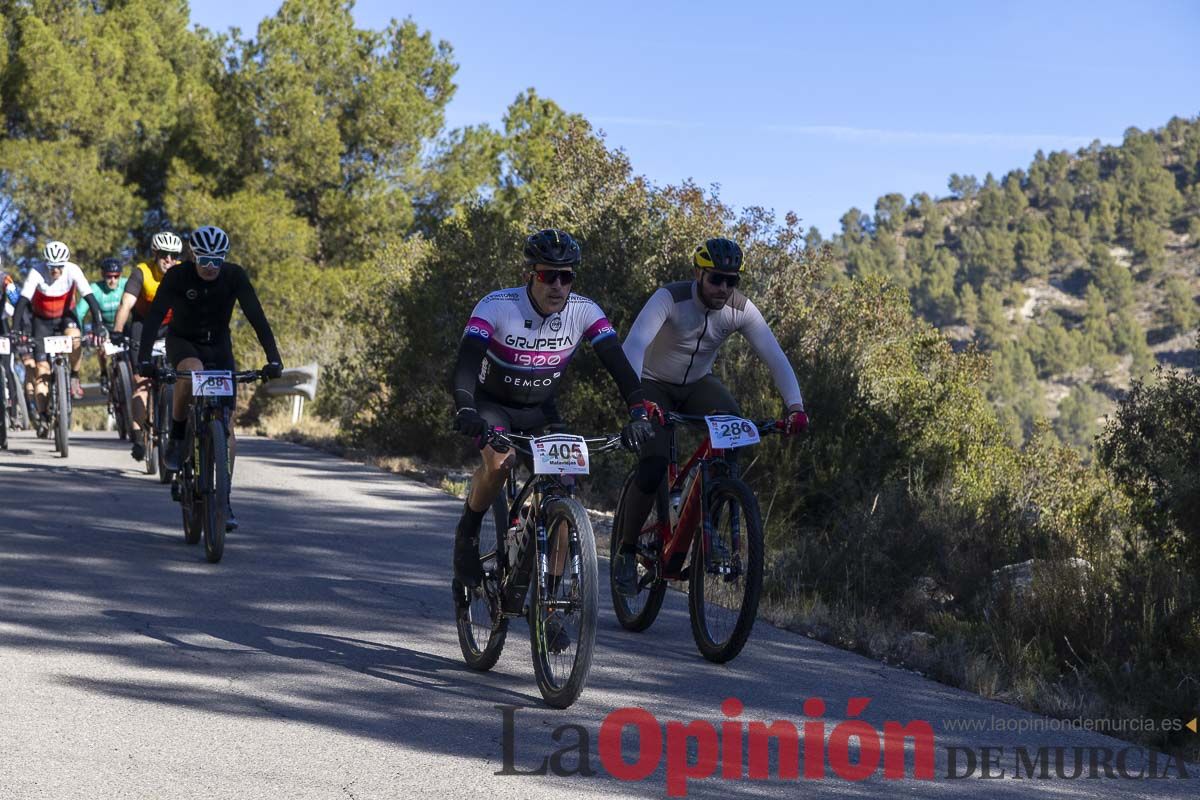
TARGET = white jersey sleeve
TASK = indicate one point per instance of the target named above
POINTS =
(75, 274)
(32, 281)
(647, 325)
(759, 334)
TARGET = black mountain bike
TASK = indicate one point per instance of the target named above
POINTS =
(543, 568)
(5, 391)
(59, 406)
(202, 485)
(15, 404)
(119, 376)
(158, 418)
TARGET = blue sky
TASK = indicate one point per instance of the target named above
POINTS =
(815, 107)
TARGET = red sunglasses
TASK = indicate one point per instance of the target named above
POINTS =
(552, 276)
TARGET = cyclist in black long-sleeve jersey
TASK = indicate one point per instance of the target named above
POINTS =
(200, 294)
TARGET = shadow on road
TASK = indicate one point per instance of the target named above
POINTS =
(332, 608)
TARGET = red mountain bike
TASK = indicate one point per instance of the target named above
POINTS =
(724, 572)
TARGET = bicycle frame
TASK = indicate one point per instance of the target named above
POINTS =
(676, 542)
(540, 489)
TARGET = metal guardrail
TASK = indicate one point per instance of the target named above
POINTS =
(299, 383)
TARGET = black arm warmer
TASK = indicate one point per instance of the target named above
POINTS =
(20, 317)
(97, 314)
(613, 358)
(163, 299)
(252, 308)
(471, 352)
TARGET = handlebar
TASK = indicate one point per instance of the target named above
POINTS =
(246, 376)
(494, 436)
(765, 426)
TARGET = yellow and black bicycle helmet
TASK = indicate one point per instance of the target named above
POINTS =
(722, 255)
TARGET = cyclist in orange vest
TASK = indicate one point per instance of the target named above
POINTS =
(140, 289)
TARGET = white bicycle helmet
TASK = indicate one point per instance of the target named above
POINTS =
(56, 253)
(209, 241)
(166, 242)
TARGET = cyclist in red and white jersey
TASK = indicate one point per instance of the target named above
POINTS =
(51, 298)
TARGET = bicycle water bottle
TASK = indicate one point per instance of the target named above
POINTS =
(676, 501)
(680, 497)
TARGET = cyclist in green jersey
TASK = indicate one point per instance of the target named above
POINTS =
(108, 292)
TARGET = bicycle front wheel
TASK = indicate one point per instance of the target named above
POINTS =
(162, 428)
(124, 390)
(62, 411)
(481, 627)
(562, 613)
(214, 488)
(3, 404)
(16, 399)
(725, 582)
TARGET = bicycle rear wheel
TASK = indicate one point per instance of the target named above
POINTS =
(562, 623)
(214, 488)
(481, 627)
(725, 582)
(635, 613)
(62, 411)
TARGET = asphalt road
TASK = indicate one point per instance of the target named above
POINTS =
(319, 660)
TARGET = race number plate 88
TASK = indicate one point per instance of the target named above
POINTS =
(560, 454)
(728, 431)
(212, 383)
(57, 344)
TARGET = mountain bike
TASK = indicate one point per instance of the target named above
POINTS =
(120, 387)
(203, 483)
(543, 566)
(157, 426)
(16, 405)
(58, 407)
(5, 390)
(724, 572)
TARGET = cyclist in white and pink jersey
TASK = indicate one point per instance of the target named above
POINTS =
(514, 351)
(51, 298)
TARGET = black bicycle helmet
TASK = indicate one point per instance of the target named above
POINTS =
(110, 266)
(722, 255)
(551, 247)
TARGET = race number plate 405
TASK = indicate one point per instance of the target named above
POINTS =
(560, 454)
(57, 344)
(728, 431)
(212, 383)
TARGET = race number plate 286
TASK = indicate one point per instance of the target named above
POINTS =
(57, 344)
(728, 431)
(560, 454)
(212, 383)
